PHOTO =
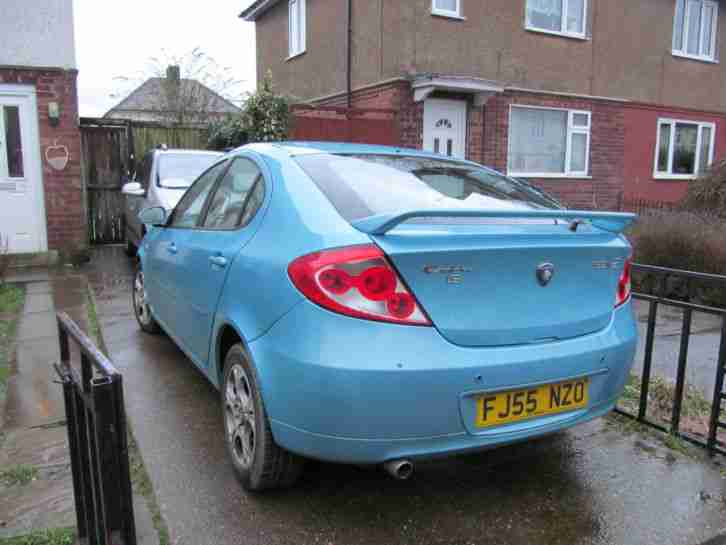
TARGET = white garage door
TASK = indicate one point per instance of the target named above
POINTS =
(22, 210)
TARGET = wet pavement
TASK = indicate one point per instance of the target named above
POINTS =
(594, 484)
(33, 421)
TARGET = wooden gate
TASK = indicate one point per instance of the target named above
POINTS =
(360, 125)
(112, 150)
(106, 163)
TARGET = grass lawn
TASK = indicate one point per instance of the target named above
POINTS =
(62, 536)
(11, 303)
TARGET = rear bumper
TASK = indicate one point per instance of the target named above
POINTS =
(364, 451)
(348, 390)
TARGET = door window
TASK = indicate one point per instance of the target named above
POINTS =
(237, 198)
(189, 210)
(13, 147)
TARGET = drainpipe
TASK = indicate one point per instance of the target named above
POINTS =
(349, 52)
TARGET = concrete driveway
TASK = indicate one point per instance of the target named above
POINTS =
(593, 484)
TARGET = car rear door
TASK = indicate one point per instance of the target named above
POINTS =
(162, 250)
(209, 250)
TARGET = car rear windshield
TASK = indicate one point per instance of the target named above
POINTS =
(181, 169)
(360, 186)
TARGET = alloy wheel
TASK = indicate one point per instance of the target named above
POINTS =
(140, 304)
(240, 416)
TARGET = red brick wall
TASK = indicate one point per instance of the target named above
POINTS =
(641, 129)
(603, 188)
(65, 210)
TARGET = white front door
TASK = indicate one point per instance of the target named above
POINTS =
(445, 127)
(22, 210)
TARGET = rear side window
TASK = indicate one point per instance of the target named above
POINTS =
(360, 186)
(189, 210)
(237, 197)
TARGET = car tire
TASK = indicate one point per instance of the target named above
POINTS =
(259, 463)
(142, 311)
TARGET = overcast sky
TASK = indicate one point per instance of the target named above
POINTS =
(117, 38)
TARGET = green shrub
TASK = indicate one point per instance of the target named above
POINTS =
(266, 114)
(681, 240)
(226, 132)
(708, 192)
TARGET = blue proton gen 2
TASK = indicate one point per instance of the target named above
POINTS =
(372, 305)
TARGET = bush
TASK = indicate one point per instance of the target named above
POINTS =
(681, 240)
(708, 193)
(266, 115)
(226, 132)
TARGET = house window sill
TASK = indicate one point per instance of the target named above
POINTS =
(675, 177)
(707, 60)
(549, 176)
(448, 15)
(580, 37)
(295, 56)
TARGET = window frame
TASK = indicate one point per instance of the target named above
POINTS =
(563, 23)
(260, 178)
(672, 122)
(445, 12)
(4, 158)
(571, 129)
(683, 52)
(203, 213)
(296, 9)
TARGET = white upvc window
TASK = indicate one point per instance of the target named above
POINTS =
(549, 142)
(561, 17)
(296, 27)
(447, 8)
(695, 28)
(684, 149)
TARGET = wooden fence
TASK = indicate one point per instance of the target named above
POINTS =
(112, 150)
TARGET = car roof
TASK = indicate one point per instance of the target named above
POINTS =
(189, 152)
(299, 148)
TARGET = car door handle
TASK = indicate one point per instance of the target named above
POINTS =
(218, 261)
(172, 249)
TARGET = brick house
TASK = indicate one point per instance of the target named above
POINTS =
(41, 197)
(591, 100)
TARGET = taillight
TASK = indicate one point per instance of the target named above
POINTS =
(623, 285)
(357, 281)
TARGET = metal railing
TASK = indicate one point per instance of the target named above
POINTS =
(97, 440)
(655, 302)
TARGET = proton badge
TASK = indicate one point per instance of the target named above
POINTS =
(545, 272)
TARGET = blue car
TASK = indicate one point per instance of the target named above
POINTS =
(373, 305)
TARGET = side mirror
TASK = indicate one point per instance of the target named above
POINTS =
(156, 216)
(134, 189)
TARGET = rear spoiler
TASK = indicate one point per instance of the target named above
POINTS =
(615, 222)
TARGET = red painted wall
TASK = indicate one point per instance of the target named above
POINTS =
(641, 134)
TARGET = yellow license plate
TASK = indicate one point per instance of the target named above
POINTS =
(507, 407)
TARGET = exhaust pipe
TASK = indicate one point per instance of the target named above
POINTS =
(399, 469)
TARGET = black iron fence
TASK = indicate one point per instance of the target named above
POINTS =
(97, 439)
(717, 418)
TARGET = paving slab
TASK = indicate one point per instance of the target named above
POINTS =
(34, 430)
(593, 484)
(32, 397)
(38, 302)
